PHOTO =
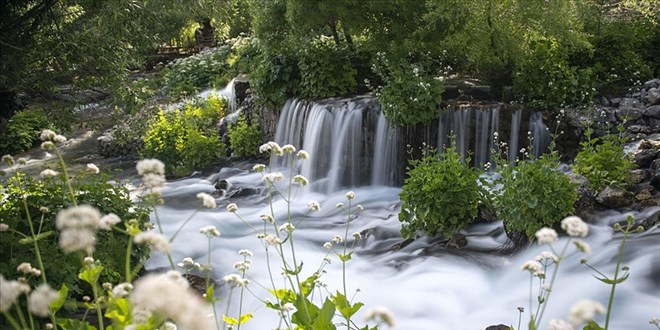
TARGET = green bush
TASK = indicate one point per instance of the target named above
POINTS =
(22, 131)
(545, 79)
(275, 78)
(63, 268)
(603, 160)
(533, 194)
(186, 76)
(411, 94)
(244, 138)
(440, 196)
(185, 139)
(325, 70)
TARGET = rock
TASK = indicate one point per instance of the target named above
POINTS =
(629, 114)
(643, 195)
(653, 83)
(457, 241)
(652, 111)
(499, 327)
(480, 92)
(648, 203)
(615, 102)
(655, 166)
(651, 220)
(649, 144)
(585, 194)
(242, 192)
(645, 157)
(486, 214)
(629, 102)
(655, 181)
(612, 197)
(639, 175)
(636, 189)
(652, 96)
(637, 129)
(451, 92)
(222, 185)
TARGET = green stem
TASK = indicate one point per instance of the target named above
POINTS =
(34, 241)
(182, 225)
(99, 311)
(208, 282)
(610, 302)
(231, 293)
(552, 282)
(127, 263)
(66, 177)
(21, 317)
(12, 320)
(31, 319)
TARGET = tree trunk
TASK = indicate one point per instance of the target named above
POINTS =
(349, 39)
(332, 23)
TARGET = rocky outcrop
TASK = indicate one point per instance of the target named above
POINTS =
(613, 197)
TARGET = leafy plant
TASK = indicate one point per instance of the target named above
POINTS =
(184, 77)
(440, 195)
(325, 70)
(22, 131)
(185, 139)
(603, 160)
(410, 94)
(43, 199)
(275, 77)
(533, 193)
(545, 79)
(244, 138)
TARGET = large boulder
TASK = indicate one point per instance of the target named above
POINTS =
(585, 202)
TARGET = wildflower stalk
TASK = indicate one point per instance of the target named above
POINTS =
(12, 321)
(127, 263)
(66, 179)
(537, 317)
(208, 282)
(343, 260)
(99, 310)
(21, 317)
(610, 301)
(182, 225)
(160, 228)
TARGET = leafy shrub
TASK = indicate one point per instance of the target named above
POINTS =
(63, 268)
(441, 194)
(533, 194)
(603, 160)
(22, 131)
(185, 139)
(131, 96)
(244, 52)
(544, 78)
(411, 94)
(206, 69)
(325, 70)
(275, 78)
(244, 138)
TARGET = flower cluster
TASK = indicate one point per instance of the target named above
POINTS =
(78, 226)
(152, 172)
(158, 241)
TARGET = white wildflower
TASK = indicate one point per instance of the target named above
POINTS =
(107, 221)
(106, 286)
(327, 245)
(350, 195)
(288, 149)
(78, 227)
(10, 291)
(207, 200)
(243, 266)
(272, 240)
(59, 138)
(48, 145)
(582, 246)
(314, 206)
(158, 241)
(273, 177)
(22, 161)
(547, 255)
(48, 173)
(301, 180)
(92, 168)
(380, 314)
(336, 239)
(339, 205)
(359, 207)
(47, 135)
(154, 166)
(532, 266)
(245, 253)
(153, 180)
(25, 268)
(77, 239)
(287, 227)
(210, 231)
(232, 207)
(267, 218)
(575, 227)
(559, 325)
(8, 159)
(4, 227)
(546, 235)
(170, 298)
(585, 310)
(357, 236)
(235, 280)
(88, 260)
(259, 168)
(302, 154)
(122, 290)
(40, 299)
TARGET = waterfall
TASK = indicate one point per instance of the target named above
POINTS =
(539, 134)
(346, 150)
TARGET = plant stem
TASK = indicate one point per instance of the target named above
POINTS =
(66, 177)
(99, 311)
(127, 264)
(12, 321)
(182, 225)
(610, 302)
(552, 282)
(34, 241)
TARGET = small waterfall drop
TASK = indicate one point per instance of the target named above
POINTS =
(387, 153)
(540, 135)
(515, 132)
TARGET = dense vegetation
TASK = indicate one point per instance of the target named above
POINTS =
(552, 52)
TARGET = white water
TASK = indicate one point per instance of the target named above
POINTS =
(424, 284)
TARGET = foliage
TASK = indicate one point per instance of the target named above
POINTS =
(244, 53)
(325, 70)
(533, 193)
(603, 160)
(440, 195)
(410, 93)
(184, 77)
(546, 80)
(184, 139)
(21, 190)
(22, 131)
(133, 95)
(244, 138)
(275, 78)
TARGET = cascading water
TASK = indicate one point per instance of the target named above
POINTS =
(539, 133)
(515, 132)
(426, 285)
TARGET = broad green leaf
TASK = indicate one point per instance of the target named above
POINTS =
(229, 320)
(210, 294)
(70, 324)
(62, 294)
(344, 306)
(244, 318)
(30, 240)
(610, 282)
(91, 273)
(591, 325)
